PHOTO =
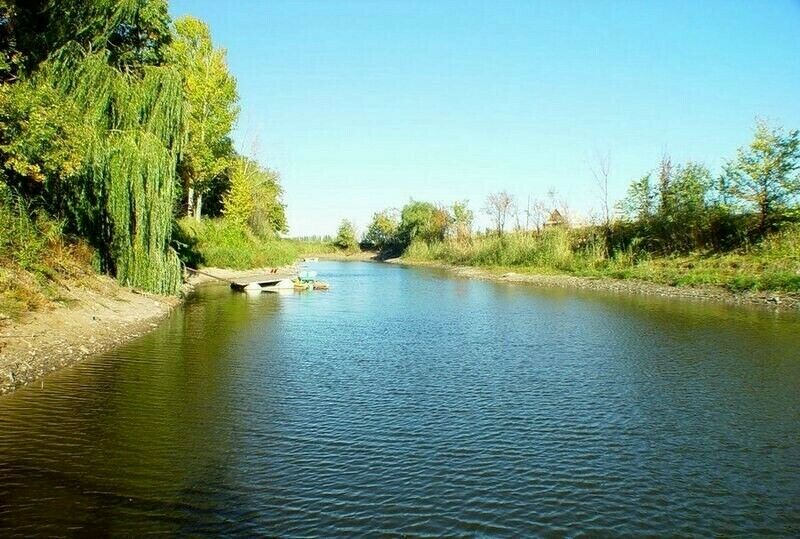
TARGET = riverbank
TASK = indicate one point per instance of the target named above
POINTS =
(783, 301)
(361, 256)
(94, 317)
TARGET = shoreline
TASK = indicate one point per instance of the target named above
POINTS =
(95, 319)
(104, 315)
(775, 301)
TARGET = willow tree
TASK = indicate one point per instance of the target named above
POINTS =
(211, 99)
(122, 197)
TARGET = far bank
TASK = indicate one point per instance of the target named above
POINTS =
(783, 301)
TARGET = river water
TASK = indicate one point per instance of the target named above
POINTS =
(409, 402)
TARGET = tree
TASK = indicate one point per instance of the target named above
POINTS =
(346, 236)
(134, 32)
(462, 220)
(499, 206)
(212, 108)
(764, 174)
(537, 214)
(382, 230)
(238, 203)
(639, 203)
(422, 221)
(602, 172)
(40, 135)
(253, 198)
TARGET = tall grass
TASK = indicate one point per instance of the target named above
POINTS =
(772, 264)
(555, 249)
(35, 257)
(225, 244)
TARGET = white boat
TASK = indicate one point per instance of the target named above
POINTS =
(281, 286)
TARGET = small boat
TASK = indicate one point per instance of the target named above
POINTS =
(312, 259)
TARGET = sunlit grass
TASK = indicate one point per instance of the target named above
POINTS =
(773, 264)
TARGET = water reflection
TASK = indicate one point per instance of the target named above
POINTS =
(407, 402)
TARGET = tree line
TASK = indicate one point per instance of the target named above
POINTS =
(116, 120)
(676, 208)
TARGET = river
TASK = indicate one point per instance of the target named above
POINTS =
(408, 402)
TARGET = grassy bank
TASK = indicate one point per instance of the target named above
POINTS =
(38, 263)
(224, 244)
(772, 264)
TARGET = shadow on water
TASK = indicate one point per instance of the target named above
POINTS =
(157, 409)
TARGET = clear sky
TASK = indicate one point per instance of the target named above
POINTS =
(362, 105)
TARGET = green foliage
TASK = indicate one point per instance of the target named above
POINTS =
(253, 199)
(34, 256)
(773, 264)
(124, 195)
(382, 230)
(40, 135)
(640, 202)
(211, 98)
(346, 236)
(225, 243)
(239, 202)
(461, 218)
(764, 175)
(134, 32)
(422, 221)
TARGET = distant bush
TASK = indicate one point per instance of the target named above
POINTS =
(346, 237)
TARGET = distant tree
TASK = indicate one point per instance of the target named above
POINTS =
(462, 218)
(764, 174)
(664, 188)
(689, 194)
(639, 203)
(422, 221)
(382, 230)
(537, 213)
(238, 203)
(601, 170)
(499, 206)
(346, 236)
(212, 102)
(253, 198)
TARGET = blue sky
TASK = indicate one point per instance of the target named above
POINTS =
(362, 105)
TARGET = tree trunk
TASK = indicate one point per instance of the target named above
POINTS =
(198, 208)
(190, 201)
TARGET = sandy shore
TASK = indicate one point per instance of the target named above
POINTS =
(773, 300)
(96, 318)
